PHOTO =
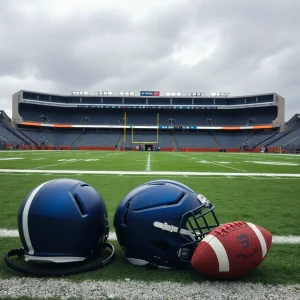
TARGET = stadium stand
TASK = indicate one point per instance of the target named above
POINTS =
(259, 138)
(288, 138)
(98, 139)
(275, 138)
(67, 115)
(231, 140)
(184, 122)
(34, 135)
(60, 138)
(7, 136)
(195, 140)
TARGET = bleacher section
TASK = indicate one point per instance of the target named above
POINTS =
(195, 140)
(215, 117)
(275, 138)
(72, 138)
(9, 137)
(97, 120)
(231, 140)
(60, 138)
(34, 135)
(64, 115)
(260, 137)
(291, 137)
(98, 139)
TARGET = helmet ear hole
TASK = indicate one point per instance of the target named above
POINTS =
(161, 245)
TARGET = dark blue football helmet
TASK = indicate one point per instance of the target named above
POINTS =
(160, 223)
(62, 221)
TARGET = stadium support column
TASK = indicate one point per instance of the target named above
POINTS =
(124, 127)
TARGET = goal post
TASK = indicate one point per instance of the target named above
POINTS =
(147, 142)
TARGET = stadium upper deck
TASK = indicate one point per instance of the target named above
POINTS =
(107, 110)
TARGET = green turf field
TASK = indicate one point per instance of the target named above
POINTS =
(260, 188)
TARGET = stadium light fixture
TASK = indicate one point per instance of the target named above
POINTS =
(103, 93)
(219, 94)
(126, 93)
(79, 93)
(196, 94)
(173, 94)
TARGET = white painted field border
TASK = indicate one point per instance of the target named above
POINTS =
(148, 165)
(277, 239)
(133, 289)
(164, 173)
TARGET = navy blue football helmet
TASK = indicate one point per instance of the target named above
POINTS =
(160, 223)
(62, 221)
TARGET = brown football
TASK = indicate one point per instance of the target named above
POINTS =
(232, 250)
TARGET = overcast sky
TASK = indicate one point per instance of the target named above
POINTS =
(237, 46)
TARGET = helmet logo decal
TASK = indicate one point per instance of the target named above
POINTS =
(25, 218)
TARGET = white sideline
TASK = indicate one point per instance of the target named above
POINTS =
(277, 239)
(133, 289)
(165, 173)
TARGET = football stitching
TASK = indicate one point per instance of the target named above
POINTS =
(223, 230)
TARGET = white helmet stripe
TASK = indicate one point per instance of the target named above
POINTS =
(171, 228)
(25, 218)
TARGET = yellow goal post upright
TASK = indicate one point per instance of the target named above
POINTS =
(146, 142)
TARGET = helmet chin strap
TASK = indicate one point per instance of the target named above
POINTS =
(171, 228)
(92, 264)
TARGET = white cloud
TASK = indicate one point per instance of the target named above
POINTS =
(239, 47)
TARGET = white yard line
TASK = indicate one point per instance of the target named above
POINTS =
(164, 173)
(289, 239)
(57, 164)
(148, 165)
(222, 165)
(9, 233)
(76, 160)
(133, 289)
(212, 162)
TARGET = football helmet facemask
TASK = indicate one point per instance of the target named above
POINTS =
(62, 221)
(160, 223)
